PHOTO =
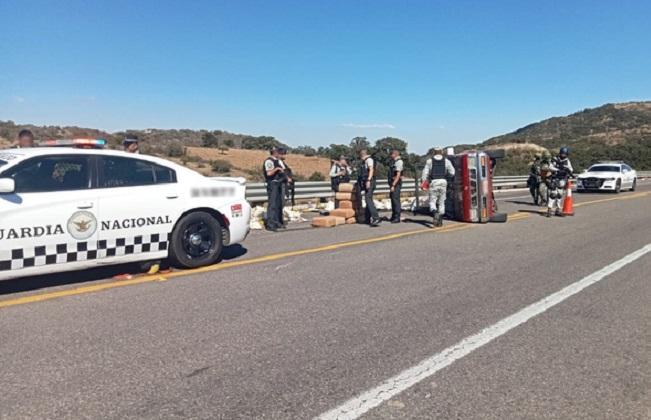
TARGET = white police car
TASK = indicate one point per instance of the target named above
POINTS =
(607, 176)
(68, 209)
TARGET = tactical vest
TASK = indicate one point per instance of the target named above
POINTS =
(336, 180)
(363, 171)
(393, 172)
(277, 176)
(438, 170)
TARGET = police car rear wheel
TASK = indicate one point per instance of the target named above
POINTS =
(196, 241)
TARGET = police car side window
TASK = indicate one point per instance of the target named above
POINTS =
(164, 175)
(51, 173)
(118, 172)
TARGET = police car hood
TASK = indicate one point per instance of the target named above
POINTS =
(605, 174)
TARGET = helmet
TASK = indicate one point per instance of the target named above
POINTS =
(564, 151)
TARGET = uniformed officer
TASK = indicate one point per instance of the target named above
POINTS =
(288, 183)
(131, 144)
(562, 170)
(366, 181)
(274, 175)
(25, 139)
(545, 173)
(396, 166)
(339, 172)
(436, 172)
(533, 182)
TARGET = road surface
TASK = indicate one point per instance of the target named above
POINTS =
(468, 321)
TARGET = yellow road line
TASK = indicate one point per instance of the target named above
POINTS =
(222, 266)
(273, 257)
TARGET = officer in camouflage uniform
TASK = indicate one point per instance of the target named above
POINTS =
(545, 174)
(534, 179)
(436, 172)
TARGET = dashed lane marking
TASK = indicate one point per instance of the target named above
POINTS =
(357, 406)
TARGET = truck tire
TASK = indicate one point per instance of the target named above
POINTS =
(196, 240)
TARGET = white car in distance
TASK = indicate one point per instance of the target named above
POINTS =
(67, 209)
(607, 176)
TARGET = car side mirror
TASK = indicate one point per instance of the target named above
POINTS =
(7, 185)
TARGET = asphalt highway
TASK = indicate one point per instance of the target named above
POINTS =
(308, 323)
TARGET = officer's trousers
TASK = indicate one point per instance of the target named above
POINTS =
(437, 190)
(395, 202)
(274, 204)
(371, 211)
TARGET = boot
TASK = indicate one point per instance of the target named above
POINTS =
(559, 213)
(439, 220)
(549, 212)
(434, 219)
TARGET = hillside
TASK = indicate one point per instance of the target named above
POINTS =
(609, 132)
(248, 163)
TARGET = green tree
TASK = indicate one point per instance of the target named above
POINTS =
(208, 139)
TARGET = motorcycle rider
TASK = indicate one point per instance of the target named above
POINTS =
(562, 170)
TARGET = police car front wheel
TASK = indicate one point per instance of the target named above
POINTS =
(196, 240)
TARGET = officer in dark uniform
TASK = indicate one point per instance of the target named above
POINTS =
(366, 181)
(25, 139)
(339, 173)
(274, 175)
(288, 182)
(131, 144)
(396, 167)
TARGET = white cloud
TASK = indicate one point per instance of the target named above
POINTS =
(19, 99)
(377, 125)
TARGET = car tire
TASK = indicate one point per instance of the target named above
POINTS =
(634, 186)
(196, 240)
(618, 186)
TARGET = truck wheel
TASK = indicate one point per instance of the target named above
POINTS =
(196, 240)
(618, 186)
(634, 184)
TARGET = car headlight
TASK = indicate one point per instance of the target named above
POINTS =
(610, 179)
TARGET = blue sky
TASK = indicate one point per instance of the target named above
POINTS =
(320, 72)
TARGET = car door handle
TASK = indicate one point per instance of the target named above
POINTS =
(85, 206)
(171, 197)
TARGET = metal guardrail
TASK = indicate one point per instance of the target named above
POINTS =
(256, 192)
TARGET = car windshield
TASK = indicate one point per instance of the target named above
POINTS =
(604, 168)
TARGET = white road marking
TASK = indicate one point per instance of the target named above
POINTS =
(357, 406)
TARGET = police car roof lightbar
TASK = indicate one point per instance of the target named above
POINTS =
(82, 143)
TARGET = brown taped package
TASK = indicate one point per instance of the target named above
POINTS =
(345, 213)
(324, 221)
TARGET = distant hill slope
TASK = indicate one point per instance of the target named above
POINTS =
(609, 132)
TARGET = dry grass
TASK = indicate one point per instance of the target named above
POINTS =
(244, 161)
(517, 146)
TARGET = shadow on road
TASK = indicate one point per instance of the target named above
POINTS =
(27, 284)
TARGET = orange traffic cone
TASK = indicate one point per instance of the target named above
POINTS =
(568, 203)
